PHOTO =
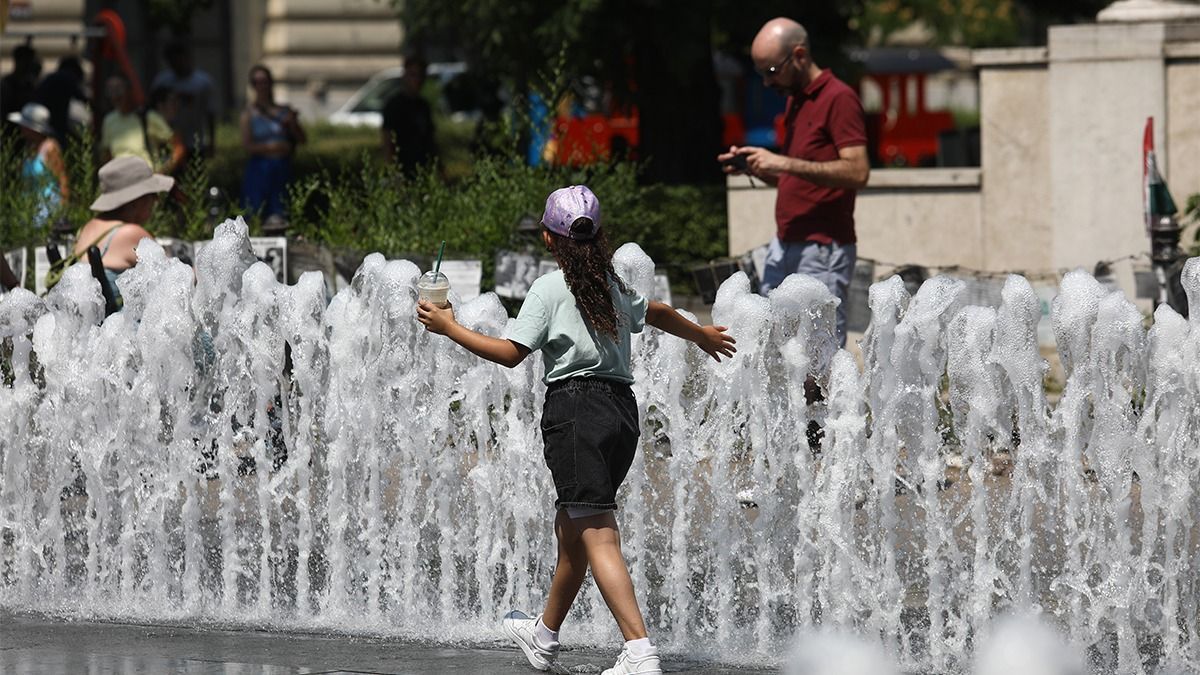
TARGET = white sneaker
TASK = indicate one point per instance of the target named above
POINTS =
(520, 628)
(627, 664)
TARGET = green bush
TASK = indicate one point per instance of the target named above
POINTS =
(344, 196)
(19, 202)
(372, 207)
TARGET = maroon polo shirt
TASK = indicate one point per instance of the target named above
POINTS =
(823, 119)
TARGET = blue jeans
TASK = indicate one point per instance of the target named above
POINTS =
(265, 183)
(831, 264)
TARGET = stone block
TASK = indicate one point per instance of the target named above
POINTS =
(1181, 169)
(332, 37)
(335, 9)
(1014, 133)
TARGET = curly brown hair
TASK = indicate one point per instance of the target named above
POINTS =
(588, 269)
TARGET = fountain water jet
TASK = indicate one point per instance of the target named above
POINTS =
(238, 452)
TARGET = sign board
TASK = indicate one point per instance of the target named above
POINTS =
(858, 307)
(41, 267)
(465, 277)
(271, 250)
(16, 262)
(1145, 283)
(546, 267)
(662, 288)
(759, 256)
(177, 248)
(515, 273)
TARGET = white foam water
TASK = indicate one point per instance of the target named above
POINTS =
(230, 450)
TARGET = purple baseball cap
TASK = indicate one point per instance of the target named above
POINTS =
(566, 205)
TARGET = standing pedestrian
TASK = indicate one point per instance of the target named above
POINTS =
(43, 170)
(821, 166)
(270, 134)
(56, 91)
(17, 87)
(407, 129)
(128, 131)
(196, 96)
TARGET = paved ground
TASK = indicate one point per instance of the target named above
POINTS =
(36, 645)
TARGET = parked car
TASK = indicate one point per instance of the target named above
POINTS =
(365, 107)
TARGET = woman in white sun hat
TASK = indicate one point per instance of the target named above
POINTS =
(129, 191)
(43, 170)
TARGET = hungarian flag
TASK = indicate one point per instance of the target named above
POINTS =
(1156, 198)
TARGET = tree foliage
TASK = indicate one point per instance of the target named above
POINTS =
(175, 14)
(656, 54)
(972, 23)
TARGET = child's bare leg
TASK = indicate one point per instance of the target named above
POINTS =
(568, 574)
(602, 541)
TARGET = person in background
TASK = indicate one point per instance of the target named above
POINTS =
(822, 166)
(196, 119)
(127, 131)
(16, 88)
(408, 131)
(56, 91)
(168, 157)
(270, 134)
(129, 191)
(43, 169)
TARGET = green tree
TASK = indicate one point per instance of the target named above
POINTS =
(973, 23)
(656, 54)
(175, 14)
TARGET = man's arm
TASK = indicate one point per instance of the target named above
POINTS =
(849, 171)
(441, 321)
(712, 339)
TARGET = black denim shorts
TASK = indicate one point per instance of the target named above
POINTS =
(590, 432)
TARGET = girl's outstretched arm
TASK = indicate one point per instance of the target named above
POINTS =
(712, 339)
(441, 321)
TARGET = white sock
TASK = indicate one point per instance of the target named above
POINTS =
(543, 636)
(640, 647)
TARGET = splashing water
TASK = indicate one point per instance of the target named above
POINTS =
(234, 451)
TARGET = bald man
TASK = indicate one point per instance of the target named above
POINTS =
(822, 165)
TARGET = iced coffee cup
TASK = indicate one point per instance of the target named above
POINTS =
(433, 288)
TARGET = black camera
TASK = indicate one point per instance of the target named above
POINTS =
(738, 162)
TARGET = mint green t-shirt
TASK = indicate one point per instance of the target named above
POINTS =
(550, 321)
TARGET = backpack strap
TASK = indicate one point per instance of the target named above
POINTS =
(59, 268)
(146, 134)
(108, 242)
(111, 230)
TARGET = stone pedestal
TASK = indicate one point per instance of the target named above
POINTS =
(1104, 80)
(1150, 10)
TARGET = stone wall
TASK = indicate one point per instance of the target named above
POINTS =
(923, 216)
(46, 15)
(320, 51)
(1182, 167)
(1060, 184)
(1015, 158)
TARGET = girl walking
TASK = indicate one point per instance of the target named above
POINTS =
(580, 317)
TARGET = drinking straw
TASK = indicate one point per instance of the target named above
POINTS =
(438, 265)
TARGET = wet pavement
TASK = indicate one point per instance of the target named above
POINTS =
(39, 645)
